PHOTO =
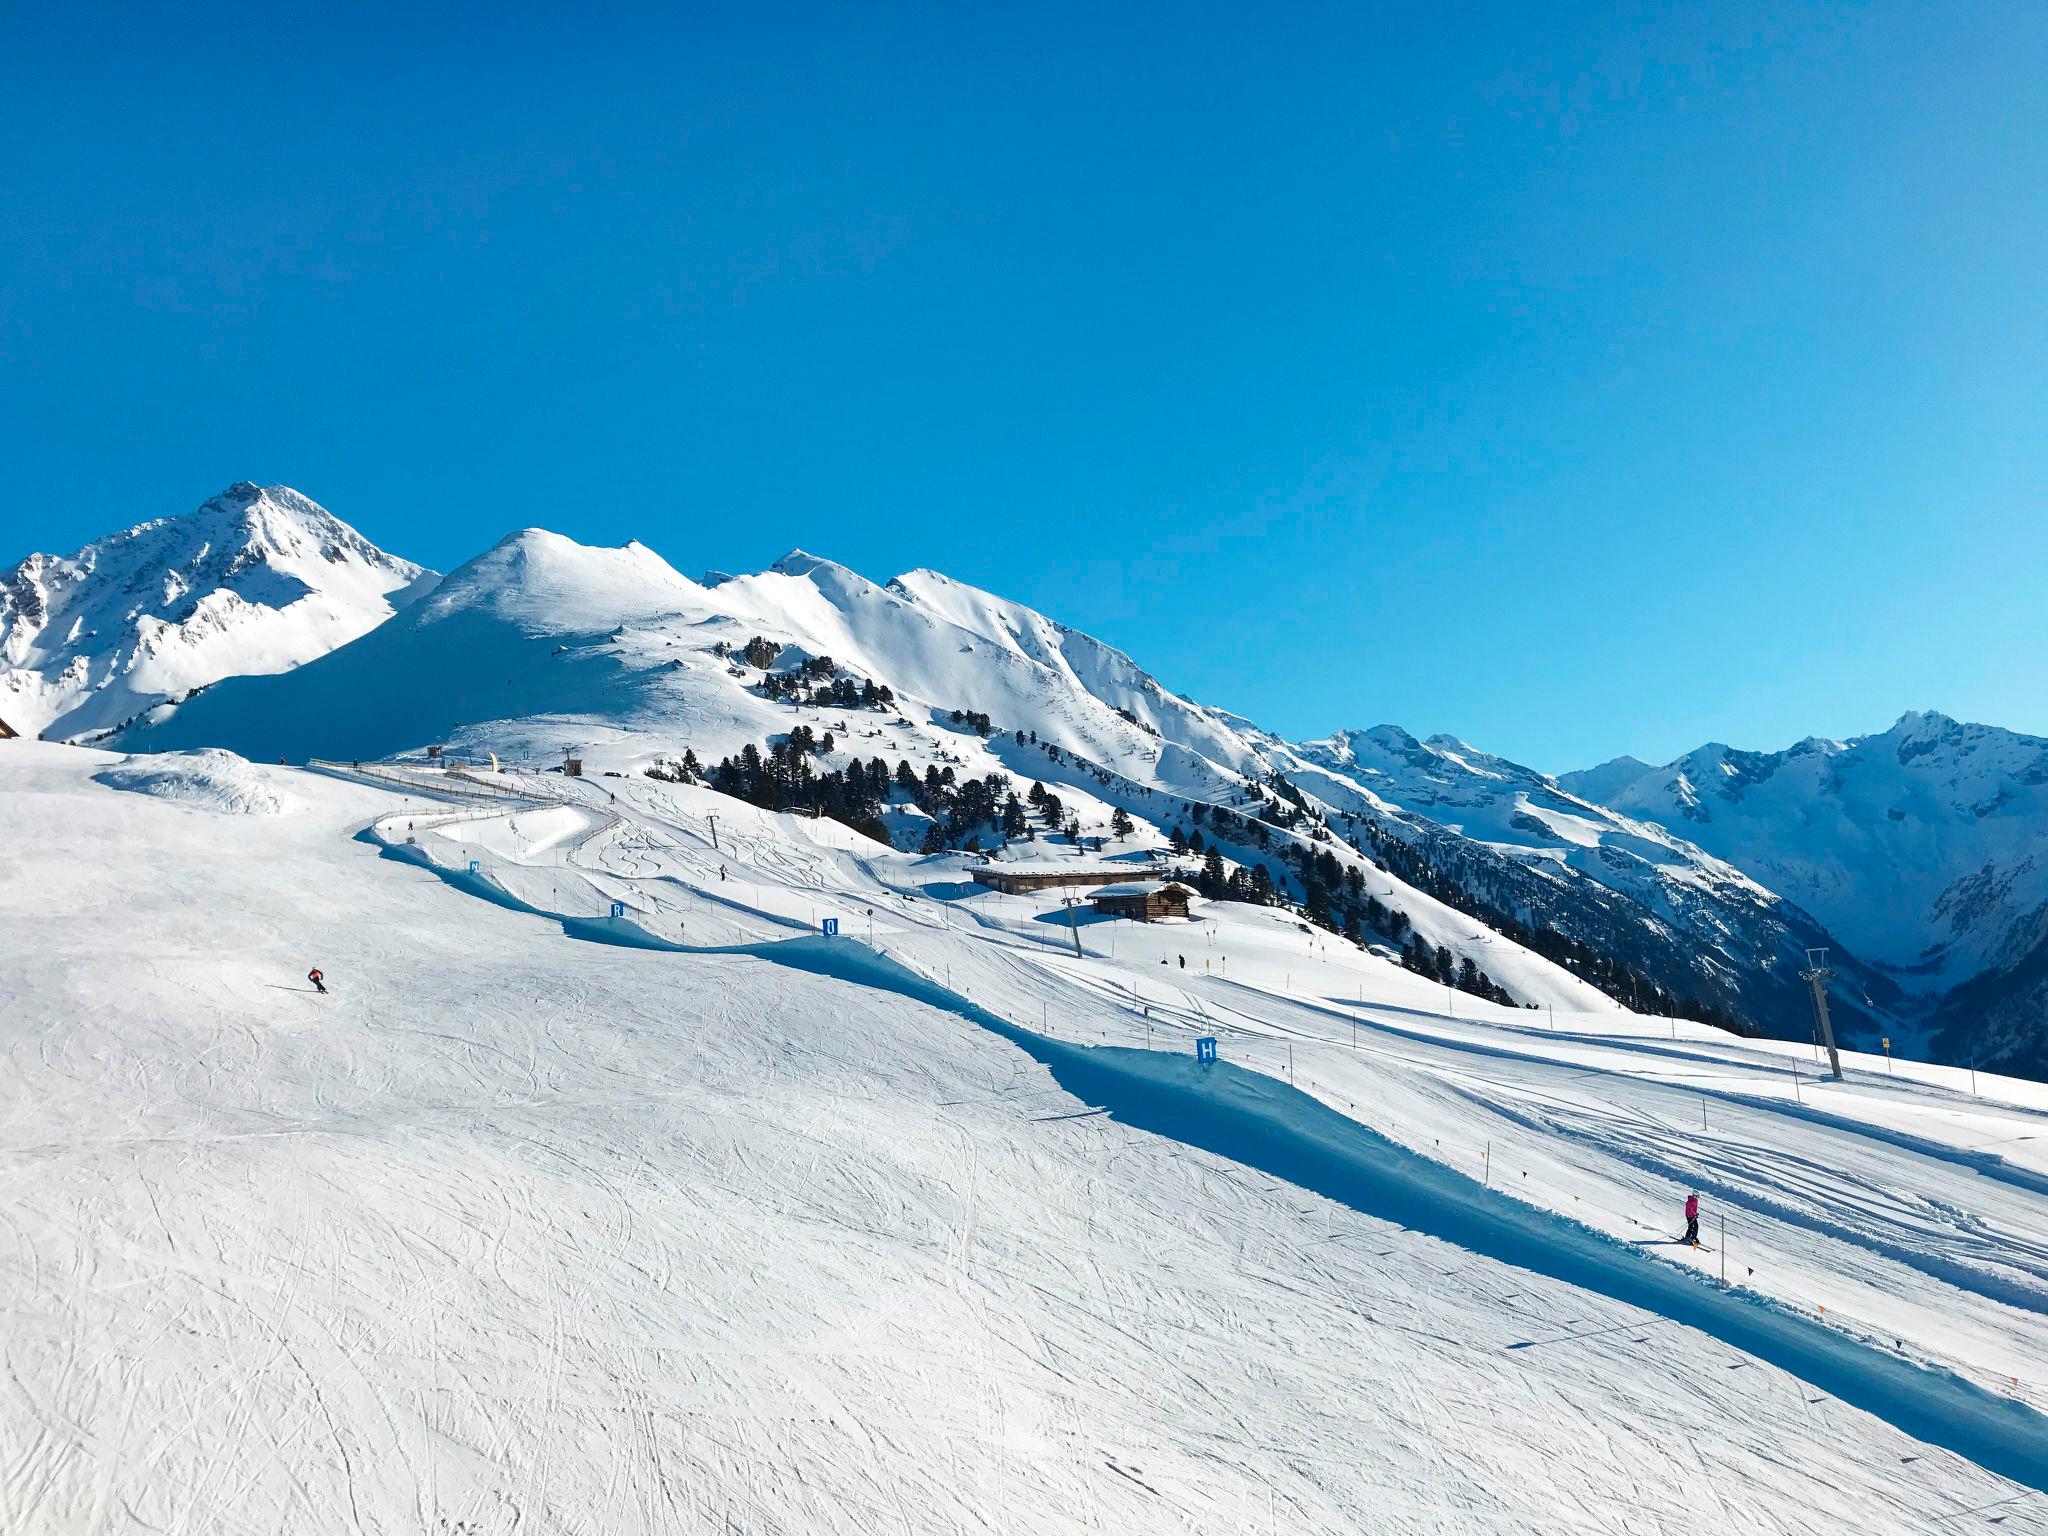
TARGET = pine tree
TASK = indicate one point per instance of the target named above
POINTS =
(1316, 902)
(1120, 825)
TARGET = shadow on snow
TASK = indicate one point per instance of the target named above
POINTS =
(1262, 1123)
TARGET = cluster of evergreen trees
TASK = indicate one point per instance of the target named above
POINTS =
(974, 720)
(816, 682)
(962, 809)
(757, 652)
(1252, 884)
(784, 779)
(833, 692)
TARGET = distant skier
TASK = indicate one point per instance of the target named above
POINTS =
(1183, 962)
(319, 982)
(1692, 1220)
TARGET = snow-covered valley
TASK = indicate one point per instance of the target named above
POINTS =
(692, 1220)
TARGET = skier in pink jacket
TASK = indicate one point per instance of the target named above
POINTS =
(1692, 1220)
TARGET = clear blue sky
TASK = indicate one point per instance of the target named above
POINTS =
(1578, 380)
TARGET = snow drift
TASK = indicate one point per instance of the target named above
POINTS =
(209, 778)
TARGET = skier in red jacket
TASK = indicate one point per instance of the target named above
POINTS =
(318, 982)
(1692, 1220)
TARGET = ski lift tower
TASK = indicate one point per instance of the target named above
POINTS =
(1816, 976)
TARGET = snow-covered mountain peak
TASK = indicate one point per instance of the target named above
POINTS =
(1924, 846)
(256, 579)
(801, 562)
(1920, 723)
(547, 582)
(1600, 784)
(839, 585)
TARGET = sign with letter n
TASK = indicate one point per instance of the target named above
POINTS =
(474, 867)
(830, 927)
(618, 909)
(1205, 1049)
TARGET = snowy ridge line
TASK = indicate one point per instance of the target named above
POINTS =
(1250, 1118)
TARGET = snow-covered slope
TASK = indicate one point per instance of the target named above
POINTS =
(1924, 847)
(257, 580)
(546, 1220)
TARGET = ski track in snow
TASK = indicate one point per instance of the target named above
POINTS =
(519, 1233)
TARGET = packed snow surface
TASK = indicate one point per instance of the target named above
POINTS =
(208, 777)
(684, 1219)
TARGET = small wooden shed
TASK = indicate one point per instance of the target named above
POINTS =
(7, 732)
(1143, 901)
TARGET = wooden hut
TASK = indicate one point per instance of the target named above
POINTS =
(1143, 901)
(7, 732)
(1019, 878)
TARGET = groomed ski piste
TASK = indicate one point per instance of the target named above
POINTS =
(693, 1219)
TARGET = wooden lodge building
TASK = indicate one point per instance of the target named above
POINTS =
(6, 731)
(1016, 879)
(1143, 901)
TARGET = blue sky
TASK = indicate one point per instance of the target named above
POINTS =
(1577, 380)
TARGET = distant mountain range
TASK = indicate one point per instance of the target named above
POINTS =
(263, 624)
(1923, 848)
